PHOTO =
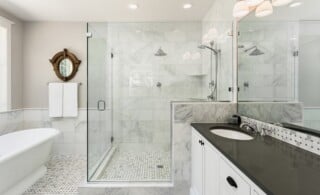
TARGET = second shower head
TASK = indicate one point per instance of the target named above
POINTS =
(255, 51)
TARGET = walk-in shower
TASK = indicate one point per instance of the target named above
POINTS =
(129, 94)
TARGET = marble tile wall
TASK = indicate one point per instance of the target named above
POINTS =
(202, 112)
(72, 139)
(140, 108)
(271, 76)
(11, 121)
(272, 112)
(218, 19)
(308, 75)
(223, 42)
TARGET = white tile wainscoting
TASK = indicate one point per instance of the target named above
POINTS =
(72, 139)
(11, 121)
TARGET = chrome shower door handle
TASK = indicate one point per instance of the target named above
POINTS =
(101, 105)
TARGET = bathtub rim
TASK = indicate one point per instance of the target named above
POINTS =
(54, 134)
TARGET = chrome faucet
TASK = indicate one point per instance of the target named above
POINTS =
(253, 128)
(247, 127)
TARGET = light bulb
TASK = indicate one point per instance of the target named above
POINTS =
(295, 4)
(264, 9)
(280, 2)
(240, 9)
(252, 3)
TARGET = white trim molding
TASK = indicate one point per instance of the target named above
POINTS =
(5, 23)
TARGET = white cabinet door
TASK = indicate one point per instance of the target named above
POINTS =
(230, 182)
(197, 164)
(211, 170)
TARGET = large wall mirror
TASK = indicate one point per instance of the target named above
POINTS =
(279, 65)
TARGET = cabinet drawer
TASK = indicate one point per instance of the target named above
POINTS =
(230, 182)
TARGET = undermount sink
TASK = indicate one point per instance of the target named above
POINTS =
(231, 134)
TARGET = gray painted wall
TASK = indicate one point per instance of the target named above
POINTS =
(41, 41)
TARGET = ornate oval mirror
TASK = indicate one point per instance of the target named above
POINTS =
(65, 65)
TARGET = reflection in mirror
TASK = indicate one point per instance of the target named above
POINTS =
(65, 67)
(278, 61)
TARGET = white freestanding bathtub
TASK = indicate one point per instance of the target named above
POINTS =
(23, 155)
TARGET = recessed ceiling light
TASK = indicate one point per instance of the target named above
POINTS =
(187, 6)
(133, 6)
(295, 4)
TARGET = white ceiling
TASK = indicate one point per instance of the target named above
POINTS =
(106, 10)
(309, 10)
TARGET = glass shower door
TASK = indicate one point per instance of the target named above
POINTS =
(99, 98)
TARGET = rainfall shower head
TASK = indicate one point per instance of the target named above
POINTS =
(255, 52)
(160, 53)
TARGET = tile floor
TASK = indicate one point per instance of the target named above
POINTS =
(137, 166)
(63, 177)
(65, 173)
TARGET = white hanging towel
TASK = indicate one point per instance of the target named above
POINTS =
(70, 100)
(55, 99)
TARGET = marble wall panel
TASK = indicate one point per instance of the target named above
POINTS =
(11, 121)
(272, 112)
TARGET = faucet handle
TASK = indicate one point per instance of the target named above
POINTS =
(247, 127)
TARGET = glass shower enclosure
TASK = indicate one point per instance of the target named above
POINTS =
(134, 71)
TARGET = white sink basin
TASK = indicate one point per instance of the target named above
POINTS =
(230, 134)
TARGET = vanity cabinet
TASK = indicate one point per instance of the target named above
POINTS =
(197, 162)
(213, 174)
(230, 182)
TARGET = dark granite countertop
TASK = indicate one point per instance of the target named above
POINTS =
(276, 167)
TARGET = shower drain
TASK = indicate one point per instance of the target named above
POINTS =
(160, 166)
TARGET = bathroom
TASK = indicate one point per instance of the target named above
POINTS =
(177, 97)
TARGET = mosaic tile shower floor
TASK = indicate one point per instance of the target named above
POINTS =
(64, 175)
(137, 166)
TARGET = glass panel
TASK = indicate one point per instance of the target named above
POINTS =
(221, 74)
(148, 66)
(287, 71)
(309, 58)
(99, 99)
(266, 61)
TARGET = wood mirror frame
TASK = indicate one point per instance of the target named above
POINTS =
(58, 57)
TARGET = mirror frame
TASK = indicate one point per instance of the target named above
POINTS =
(59, 57)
